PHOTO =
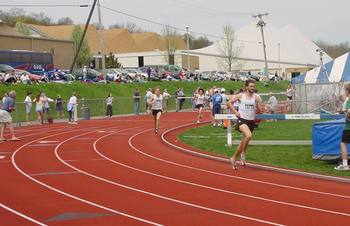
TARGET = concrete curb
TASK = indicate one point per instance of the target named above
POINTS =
(252, 165)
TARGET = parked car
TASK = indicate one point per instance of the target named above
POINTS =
(5, 68)
(32, 77)
(92, 75)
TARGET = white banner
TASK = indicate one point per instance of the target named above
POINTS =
(303, 116)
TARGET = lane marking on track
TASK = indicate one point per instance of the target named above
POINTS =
(67, 194)
(2, 156)
(22, 215)
(156, 195)
(47, 141)
(51, 173)
(244, 178)
(213, 188)
(80, 160)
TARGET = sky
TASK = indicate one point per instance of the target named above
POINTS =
(317, 19)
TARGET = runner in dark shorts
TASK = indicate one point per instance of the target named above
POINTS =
(249, 123)
(155, 112)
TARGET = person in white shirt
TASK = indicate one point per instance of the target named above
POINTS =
(166, 97)
(199, 100)
(28, 104)
(250, 102)
(156, 104)
(109, 104)
(149, 95)
(71, 108)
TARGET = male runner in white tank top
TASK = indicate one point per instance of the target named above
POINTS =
(156, 104)
(249, 104)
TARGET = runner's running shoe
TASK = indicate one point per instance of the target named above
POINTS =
(341, 167)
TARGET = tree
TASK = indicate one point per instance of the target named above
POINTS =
(130, 26)
(65, 21)
(170, 36)
(200, 42)
(112, 61)
(227, 48)
(15, 14)
(333, 50)
(85, 56)
(22, 28)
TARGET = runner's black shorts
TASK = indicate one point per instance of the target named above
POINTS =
(155, 112)
(345, 138)
(199, 106)
(249, 123)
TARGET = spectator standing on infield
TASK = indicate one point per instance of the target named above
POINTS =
(28, 104)
(346, 133)
(166, 97)
(137, 97)
(5, 116)
(216, 100)
(109, 104)
(71, 105)
(149, 71)
(59, 106)
(250, 102)
(156, 103)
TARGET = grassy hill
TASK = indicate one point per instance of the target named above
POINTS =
(94, 94)
(92, 90)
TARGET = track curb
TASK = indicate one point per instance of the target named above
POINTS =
(252, 165)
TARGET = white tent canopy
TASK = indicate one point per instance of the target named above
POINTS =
(286, 48)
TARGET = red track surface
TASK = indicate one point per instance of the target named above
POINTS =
(117, 172)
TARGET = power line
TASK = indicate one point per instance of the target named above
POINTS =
(45, 5)
(173, 27)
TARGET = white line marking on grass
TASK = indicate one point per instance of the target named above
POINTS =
(22, 215)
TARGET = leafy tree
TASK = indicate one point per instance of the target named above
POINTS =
(334, 50)
(112, 61)
(200, 42)
(85, 56)
(65, 21)
(15, 14)
(22, 28)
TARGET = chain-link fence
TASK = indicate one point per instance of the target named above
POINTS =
(93, 108)
(315, 98)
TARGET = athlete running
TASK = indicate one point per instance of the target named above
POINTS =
(156, 105)
(249, 103)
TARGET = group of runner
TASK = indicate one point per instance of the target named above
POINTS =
(243, 104)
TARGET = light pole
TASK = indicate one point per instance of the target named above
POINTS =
(279, 59)
(188, 48)
(101, 41)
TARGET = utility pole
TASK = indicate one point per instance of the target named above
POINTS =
(83, 36)
(188, 48)
(279, 60)
(261, 23)
(101, 41)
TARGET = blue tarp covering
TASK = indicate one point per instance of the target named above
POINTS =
(326, 138)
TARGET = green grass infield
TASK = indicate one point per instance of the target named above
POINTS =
(299, 157)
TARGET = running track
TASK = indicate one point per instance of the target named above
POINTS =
(117, 172)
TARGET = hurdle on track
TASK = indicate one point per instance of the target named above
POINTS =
(275, 116)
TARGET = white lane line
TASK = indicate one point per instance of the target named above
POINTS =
(243, 178)
(22, 215)
(156, 195)
(67, 194)
(213, 188)
(51, 173)
(2, 156)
